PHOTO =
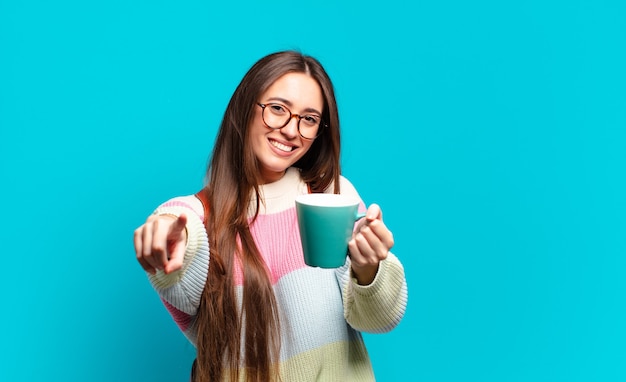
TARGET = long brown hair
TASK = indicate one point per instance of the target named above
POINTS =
(230, 338)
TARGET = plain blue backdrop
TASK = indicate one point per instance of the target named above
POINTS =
(492, 133)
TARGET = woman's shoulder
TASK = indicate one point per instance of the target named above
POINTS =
(345, 187)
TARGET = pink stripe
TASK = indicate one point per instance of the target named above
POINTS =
(278, 239)
(182, 319)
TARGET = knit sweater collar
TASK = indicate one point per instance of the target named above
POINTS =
(282, 186)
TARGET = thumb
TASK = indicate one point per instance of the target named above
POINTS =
(374, 212)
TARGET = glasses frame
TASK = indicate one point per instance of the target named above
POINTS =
(320, 127)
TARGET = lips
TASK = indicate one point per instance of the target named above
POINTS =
(281, 146)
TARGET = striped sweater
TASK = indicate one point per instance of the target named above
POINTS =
(322, 311)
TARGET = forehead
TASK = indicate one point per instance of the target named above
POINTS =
(300, 89)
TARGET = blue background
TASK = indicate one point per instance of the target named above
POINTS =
(492, 133)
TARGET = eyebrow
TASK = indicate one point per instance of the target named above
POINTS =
(289, 104)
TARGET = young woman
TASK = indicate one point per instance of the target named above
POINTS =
(228, 264)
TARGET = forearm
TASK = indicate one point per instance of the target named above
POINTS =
(182, 289)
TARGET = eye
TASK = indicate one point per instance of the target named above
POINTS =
(277, 109)
(311, 120)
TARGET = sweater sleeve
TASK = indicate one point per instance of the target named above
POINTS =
(379, 306)
(181, 290)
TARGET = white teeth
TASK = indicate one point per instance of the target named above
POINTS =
(281, 146)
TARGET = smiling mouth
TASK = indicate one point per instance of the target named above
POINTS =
(281, 147)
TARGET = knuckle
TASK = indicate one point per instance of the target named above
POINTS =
(360, 238)
(158, 248)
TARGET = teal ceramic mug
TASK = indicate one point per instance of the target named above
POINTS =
(326, 222)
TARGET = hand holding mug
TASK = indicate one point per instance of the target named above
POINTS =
(370, 244)
(328, 233)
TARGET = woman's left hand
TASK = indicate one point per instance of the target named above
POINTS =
(370, 244)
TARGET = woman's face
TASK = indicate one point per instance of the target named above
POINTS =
(278, 149)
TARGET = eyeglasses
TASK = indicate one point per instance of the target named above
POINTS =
(276, 116)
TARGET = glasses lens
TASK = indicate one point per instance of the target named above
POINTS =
(309, 126)
(276, 116)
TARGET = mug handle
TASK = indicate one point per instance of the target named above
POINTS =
(359, 216)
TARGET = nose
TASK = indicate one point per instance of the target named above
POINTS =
(290, 130)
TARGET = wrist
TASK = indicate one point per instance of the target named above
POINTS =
(364, 275)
